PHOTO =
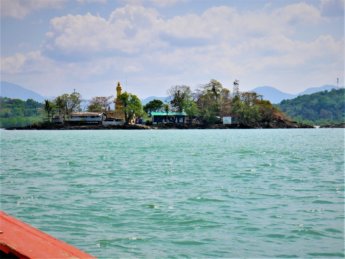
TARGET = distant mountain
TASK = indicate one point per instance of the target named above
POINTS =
(151, 98)
(18, 92)
(313, 90)
(272, 94)
(318, 108)
(276, 96)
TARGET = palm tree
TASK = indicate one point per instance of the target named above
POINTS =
(48, 107)
(60, 105)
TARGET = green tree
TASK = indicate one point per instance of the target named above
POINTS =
(192, 110)
(152, 106)
(318, 108)
(213, 101)
(48, 108)
(60, 104)
(208, 108)
(166, 108)
(73, 102)
(68, 103)
(246, 109)
(19, 113)
(267, 111)
(180, 95)
(131, 106)
(214, 87)
(32, 108)
(99, 104)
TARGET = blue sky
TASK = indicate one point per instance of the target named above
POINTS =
(55, 46)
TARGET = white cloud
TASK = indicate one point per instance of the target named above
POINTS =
(224, 22)
(298, 13)
(333, 7)
(12, 64)
(294, 54)
(31, 62)
(157, 3)
(134, 28)
(137, 43)
(166, 3)
(91, 1)
(127, 30)
(21, 8)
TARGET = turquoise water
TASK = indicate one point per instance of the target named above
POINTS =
(180, 193)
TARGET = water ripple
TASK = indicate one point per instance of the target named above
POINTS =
(168, 194)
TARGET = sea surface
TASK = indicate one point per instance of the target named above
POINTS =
(180, 193)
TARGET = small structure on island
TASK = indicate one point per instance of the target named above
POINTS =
(168, 117)
(116, 117)
(118, 112)
(227, 120)
(86, 118)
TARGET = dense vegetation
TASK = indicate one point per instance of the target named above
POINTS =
(211, 102)
(63, 105)
(320, 108)
(207, 105)
(18, 113)
(131, 106)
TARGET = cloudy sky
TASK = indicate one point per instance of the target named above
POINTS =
(55, 46)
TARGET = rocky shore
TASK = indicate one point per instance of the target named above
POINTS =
(336, 125)
(81, 127)
(275, 124)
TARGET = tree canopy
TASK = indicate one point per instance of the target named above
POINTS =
(19, 113)
(99, 104)
(318, 108)
(153, 106)
(180, 96)
(213, 101)
(206, 105)
(68, 103)
(131, 106)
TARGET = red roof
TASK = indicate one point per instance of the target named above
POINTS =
(24, 241)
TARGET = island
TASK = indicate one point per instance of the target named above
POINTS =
(212, 106)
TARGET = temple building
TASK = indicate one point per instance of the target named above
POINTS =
(118, 112)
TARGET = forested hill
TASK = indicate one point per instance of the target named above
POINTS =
(19, 113)
(319, 108)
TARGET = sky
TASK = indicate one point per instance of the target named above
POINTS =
(55, 46)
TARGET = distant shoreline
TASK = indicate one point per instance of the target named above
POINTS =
(162, 127)
(277, 125)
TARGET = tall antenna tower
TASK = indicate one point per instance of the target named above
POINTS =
(337, 82)
(236, 90)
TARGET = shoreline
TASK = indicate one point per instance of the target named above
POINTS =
(159, 127)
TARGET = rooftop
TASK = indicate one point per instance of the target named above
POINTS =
(168, 114)
(86, 114)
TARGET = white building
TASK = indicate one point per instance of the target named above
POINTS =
(227, 120)
(86, 118)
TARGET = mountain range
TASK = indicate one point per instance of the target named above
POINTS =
(14, 91)
(276, 96)
(270, 93)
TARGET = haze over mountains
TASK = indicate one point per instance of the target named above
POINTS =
(270, 93)
(15, 91)
(276, 96)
